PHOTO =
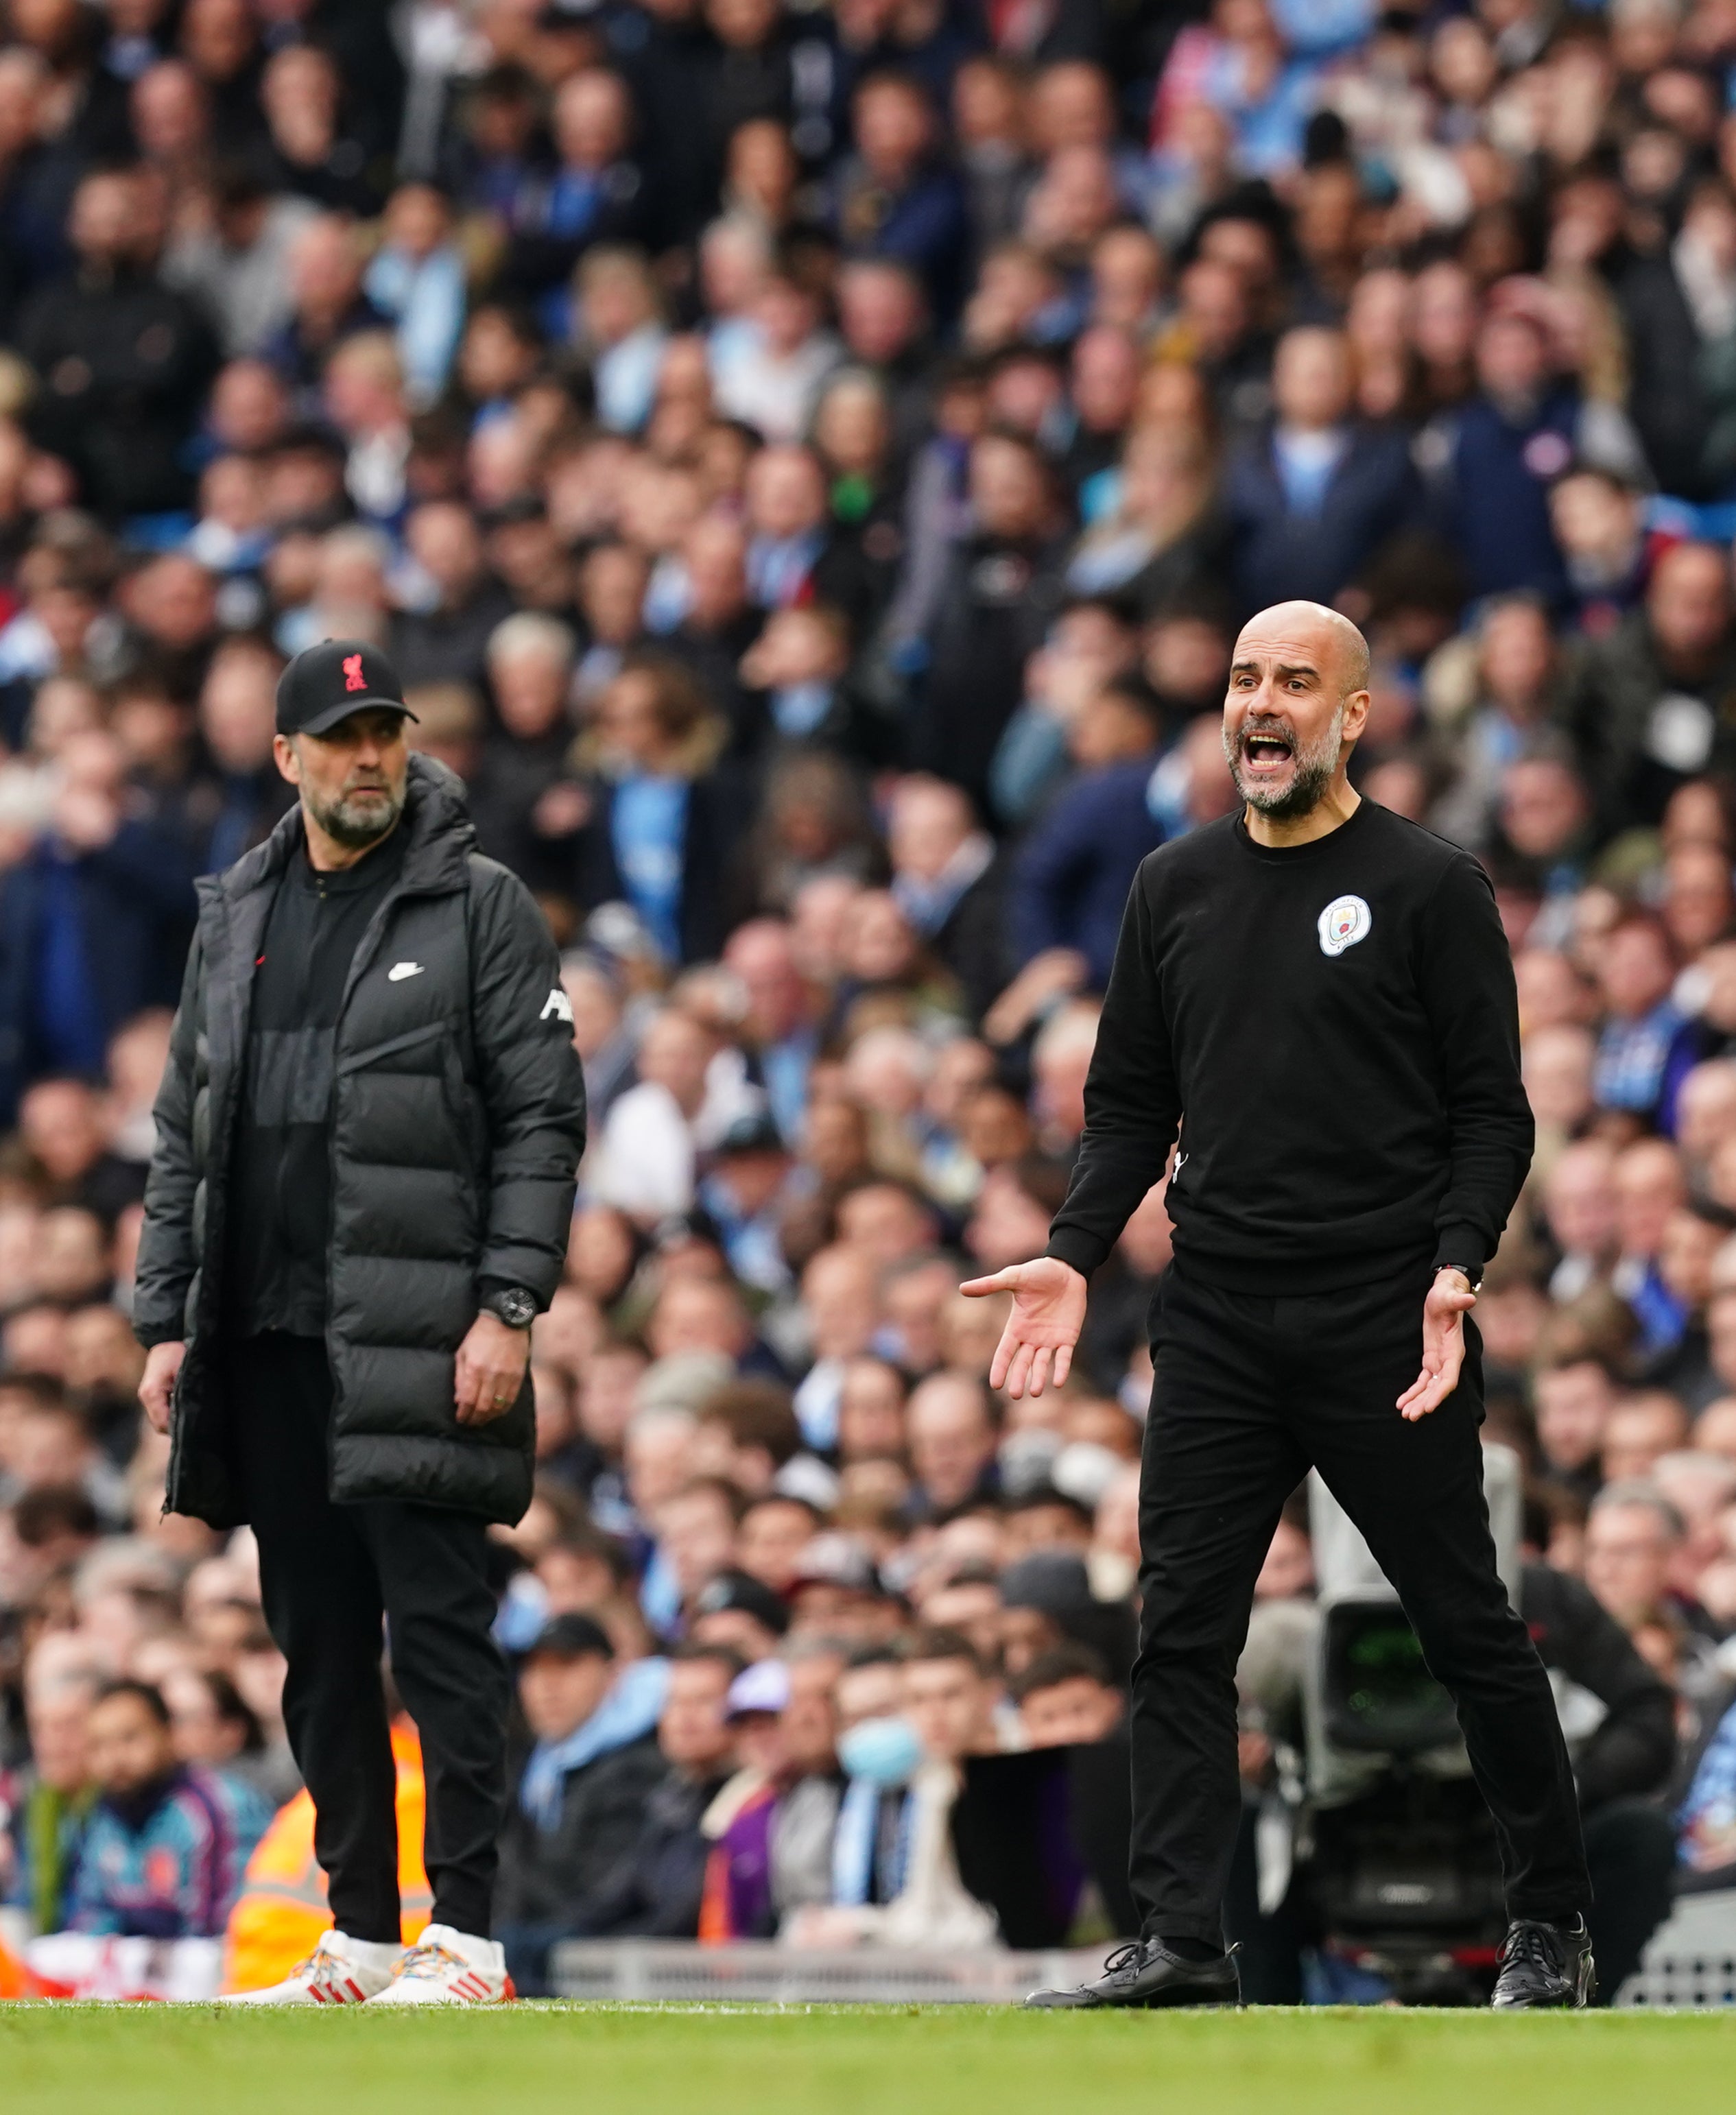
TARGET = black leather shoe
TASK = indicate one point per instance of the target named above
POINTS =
(1147, 1973)
(1542, 1966)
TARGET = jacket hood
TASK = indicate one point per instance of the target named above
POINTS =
(436, 819)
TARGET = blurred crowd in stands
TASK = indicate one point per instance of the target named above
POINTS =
(808, 464)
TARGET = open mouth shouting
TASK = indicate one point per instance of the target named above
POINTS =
(1266, 752)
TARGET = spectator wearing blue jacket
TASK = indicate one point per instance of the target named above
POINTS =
(1071, 875)
(896, 198)
(1499, 455)
(94, 924)
(1313, 496)
(166, 1846)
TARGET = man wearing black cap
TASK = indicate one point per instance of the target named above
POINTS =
(368, 1134)
(581, 1792)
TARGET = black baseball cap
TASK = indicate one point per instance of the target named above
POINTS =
(755, 1132)
(571, 1637)
(741, 1590)
(331, 680)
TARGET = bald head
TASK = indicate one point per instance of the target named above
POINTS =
(1327, 634)
(1297, 701)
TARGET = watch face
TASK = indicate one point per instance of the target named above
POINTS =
(517, 1309)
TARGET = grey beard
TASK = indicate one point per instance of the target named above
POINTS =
(1313, 774)
(354, 827)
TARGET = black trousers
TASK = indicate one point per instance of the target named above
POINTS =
(1250, 1391)
(329, 1575)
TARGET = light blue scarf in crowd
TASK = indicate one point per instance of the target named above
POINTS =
(631, 1709)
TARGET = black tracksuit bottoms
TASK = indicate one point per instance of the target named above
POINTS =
(329, 1575)
(1250, 1391)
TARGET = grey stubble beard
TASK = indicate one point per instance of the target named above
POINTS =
(1313, 773)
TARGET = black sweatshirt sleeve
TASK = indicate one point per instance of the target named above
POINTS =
(1132, 1104)
(1467, 982)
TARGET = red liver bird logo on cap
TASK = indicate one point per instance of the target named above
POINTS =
(353, 678)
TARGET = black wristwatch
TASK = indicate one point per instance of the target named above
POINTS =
(1469, 1276)
(513, 1305)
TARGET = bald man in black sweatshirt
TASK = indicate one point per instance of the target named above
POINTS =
(1320, 995)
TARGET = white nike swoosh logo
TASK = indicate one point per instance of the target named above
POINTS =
(399, 971)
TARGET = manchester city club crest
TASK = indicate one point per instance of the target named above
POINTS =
(1344, 921)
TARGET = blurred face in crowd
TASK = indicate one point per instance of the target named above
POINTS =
(951, 1440)
(871, 1410)
(656, 1452)
(1696, 911)
(1688, 603)
(875, 1691)
(1573, 1404)
(762, 954)
(1311, 379)
(591, 120)
(202, 1735)
(1079, 1711)
(61, 1126)
(237, 707)
(1641, 1428)
(1649, 1185)
(674, 1054)
(1628, 1550)
(773, 1536)
(1009, 491)
(947, 1702)
(839, 1290)
(1512, 358)
(104, 220)
(1635, 970)
(885, 1222)
(352, 780)
(880, 311)
(786, 492)
(696, 1532)
(1707, 1110)
(1685, 1258)
(558, 1692)
(971, 1606)
(59, 1721)
(692, 1732)
(698, 1313)
(129, 1745)
(1580, 1200)
(530, 683)
(1556, 1065)
(930, 822)
(808, 1730)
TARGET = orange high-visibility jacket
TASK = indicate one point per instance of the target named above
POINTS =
(281, 1911)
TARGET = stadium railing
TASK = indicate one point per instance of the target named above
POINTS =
(757, 1972)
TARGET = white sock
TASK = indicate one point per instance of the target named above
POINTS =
(378, 1953)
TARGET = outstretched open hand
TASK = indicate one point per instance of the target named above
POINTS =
(1048, 1314)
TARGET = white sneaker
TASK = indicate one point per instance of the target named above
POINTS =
(340, 1971)
(449, 1967)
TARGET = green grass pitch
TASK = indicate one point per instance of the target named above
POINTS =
(603, 2060)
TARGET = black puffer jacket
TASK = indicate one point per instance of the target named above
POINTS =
(457, 1121)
